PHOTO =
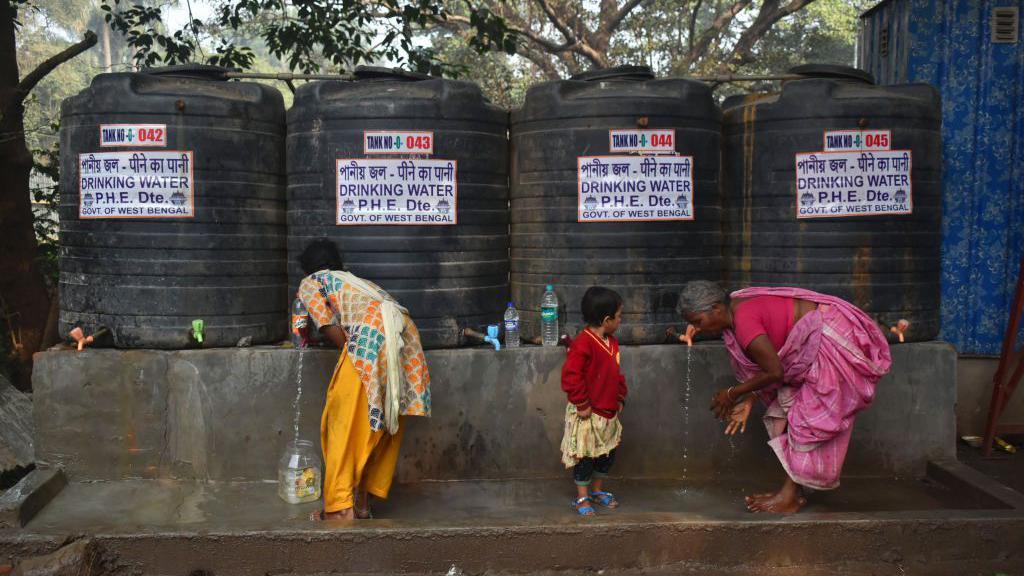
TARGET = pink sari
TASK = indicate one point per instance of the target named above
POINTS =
(832, 359)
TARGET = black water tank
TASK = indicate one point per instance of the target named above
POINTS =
(172, 209)
(573, 238)
(834, 184)
(351, 143)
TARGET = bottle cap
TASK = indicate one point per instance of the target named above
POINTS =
(550, 287)
(511, 304)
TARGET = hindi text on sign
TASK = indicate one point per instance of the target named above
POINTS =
(136, 184)
(635, 188)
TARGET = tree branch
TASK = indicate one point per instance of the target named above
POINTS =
(720, 24)
(542, 61)
(32, 78)
(544, 43)
(577, 38)
(613, 23)
(693, 24)
(598, 58)
(770, 13)
(570, 36)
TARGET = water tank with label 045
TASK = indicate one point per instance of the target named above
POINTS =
(615, 182)
(172, 209)
(834, 184)
(408, 175)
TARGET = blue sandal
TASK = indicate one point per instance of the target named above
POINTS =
(586, 510)
(606, 499)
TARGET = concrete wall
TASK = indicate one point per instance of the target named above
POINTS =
(974, 394)
(226, 414)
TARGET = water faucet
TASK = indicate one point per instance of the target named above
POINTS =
(492, 336)
(900, 329)
(687, 338)
(197, 330)
(691, 331)
(80, 338)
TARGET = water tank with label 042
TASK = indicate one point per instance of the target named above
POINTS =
(172, 209)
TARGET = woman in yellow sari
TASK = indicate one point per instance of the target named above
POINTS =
(380, 378)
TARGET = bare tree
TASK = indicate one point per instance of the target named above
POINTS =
(24, 300)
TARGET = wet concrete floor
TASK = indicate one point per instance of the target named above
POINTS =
(141, 506)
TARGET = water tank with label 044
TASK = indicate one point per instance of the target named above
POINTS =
(172, 209)
(635, 229)
(834, 184)
(408, 175)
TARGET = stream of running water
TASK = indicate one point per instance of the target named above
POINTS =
(686, 419)
(296, 406)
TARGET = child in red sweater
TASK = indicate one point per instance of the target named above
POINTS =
(597, 392)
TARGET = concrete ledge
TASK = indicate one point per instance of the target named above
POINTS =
(969, 482)
(20, 504)
(225, 414)
(577, 548)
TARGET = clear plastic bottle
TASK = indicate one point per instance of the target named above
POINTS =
(511, 326)
(299, 473)
(300, 324)
(549, 317)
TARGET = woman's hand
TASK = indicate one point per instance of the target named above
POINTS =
(739, 415)
(584, 414)
(721, 403)
(336, 335)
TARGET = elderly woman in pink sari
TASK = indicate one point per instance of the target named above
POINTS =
(813, 360)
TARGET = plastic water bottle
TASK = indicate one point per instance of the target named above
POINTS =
(511, 326)
(549, 317)
(300, 324)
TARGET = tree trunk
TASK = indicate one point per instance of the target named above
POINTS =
(26, 301)
(108, 60)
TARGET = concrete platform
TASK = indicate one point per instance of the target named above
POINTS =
(226, 415)
(170, 456)
(158, 506)
(875, 525)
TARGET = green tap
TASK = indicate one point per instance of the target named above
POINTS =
(197, 330)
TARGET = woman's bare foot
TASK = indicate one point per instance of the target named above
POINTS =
(788, 500)
(346, 514)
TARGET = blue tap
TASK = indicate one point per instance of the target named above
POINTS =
(492, 336)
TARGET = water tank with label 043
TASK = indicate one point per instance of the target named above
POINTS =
(834, 184)
(635, 229)
(172, 209)
(408, 175)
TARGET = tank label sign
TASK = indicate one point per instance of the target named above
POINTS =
(380, 142)
(397, 192)
(660, 141)
(134, 135)
(839, 184)
(635, 188)
(841, 140)
(136, 184)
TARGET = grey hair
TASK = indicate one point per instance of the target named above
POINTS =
(699, 296)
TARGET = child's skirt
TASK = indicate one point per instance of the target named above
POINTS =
(588, 438)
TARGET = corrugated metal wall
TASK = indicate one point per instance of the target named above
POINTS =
(946, 43)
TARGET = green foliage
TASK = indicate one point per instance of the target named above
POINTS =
(142, 26)
(305, 34)
(491, 33)
(46, 198)
(498, 75)
(46, 29)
